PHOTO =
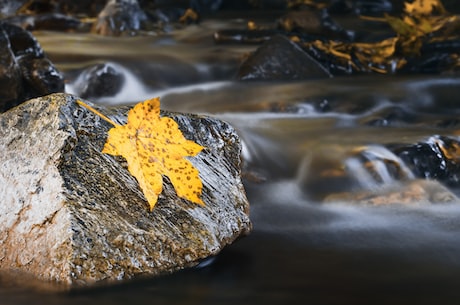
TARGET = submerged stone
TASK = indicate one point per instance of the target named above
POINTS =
(73, 215)
(415, 192)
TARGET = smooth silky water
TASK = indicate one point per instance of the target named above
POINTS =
(302, 251)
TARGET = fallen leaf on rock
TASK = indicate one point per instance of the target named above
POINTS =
(154, 147)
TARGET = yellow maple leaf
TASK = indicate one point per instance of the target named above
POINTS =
(154, 147)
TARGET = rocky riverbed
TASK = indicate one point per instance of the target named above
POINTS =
(352, 179)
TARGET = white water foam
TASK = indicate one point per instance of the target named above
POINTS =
(134, 90)
(378, 157)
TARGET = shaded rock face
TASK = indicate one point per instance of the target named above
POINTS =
(74, 215)
(100, 80)
(25, 72)
(48, 21)
(280, 59)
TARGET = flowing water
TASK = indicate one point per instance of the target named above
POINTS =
(303, 141)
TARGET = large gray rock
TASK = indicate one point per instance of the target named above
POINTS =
(74, 215)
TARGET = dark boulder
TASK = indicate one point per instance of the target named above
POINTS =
(98, 81)
(25, 71)
(281, 59)
(436, 158)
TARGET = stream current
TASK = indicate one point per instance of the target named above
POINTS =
(299, 140)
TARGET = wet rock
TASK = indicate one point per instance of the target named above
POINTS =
(10, 75)
(41, 76)
(435, 57)
(25, 71)
(101, 80)
(281, 59)
(119, 17)
(206, 6)
(74, 215)
(436, 158)
(415, 192)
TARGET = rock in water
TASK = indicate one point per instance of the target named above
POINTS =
(281, 59)
(25, 71)
(76, 216)
(412, 192)
(118, 17)
(100, 80)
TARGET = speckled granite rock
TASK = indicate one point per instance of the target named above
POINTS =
(74, 215)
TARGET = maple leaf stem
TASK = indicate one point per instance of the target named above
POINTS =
(105, 118)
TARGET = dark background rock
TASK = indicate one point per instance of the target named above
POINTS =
(100, 80)
(280, 59)
(25, 71)
(76, 216)
(436, 158)
(10, 75)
